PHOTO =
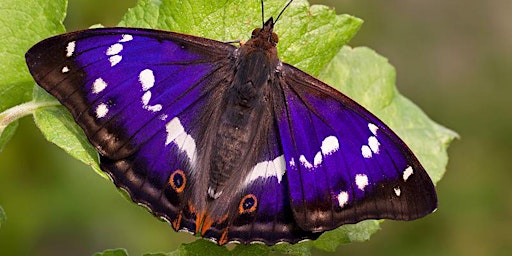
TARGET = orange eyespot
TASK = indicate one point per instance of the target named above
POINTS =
(248, 204)
(178, 181)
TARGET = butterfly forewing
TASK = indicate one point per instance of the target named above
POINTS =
(138, 95)
(345, 165)
(118, 82)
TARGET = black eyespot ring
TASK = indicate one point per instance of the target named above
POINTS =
(248, 204)
(178, 181)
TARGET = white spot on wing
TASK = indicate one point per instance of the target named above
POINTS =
(146, 97)
(147, 79)
(70, 48)
(101, 110)
(342, 198)
(407, 173)
(153, 108)
(361, 181)
(99, 85)
(126, 38)
(114, 60)
(366, 151)
(65, 69)
(305, 162)
(114, 49)
(176, 134)
(267, 169)
(163, 117)
(373, 128)
(292, 162)
(397, 191)
(374, 144)
(318, 159)
(330, 145)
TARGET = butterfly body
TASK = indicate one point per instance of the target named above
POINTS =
(229, 142)
(243, 116)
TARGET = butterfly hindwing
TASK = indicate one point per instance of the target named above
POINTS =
(262, 211)
(138, 95)
(343, 164)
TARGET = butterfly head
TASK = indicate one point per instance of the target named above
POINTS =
(266, 33)
(263, 40)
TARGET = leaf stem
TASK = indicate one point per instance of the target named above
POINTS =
(12, 114)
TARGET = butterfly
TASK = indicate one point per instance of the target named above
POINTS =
(229, 142)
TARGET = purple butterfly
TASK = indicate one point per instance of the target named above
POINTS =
(229, 142)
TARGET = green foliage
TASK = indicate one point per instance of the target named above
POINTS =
(311, 38)
(58, 127)
(22, 23)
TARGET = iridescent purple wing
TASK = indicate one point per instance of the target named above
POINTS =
(343, 164)
(138, 95)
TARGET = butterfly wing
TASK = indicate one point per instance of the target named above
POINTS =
(129, 90)
(343, 164)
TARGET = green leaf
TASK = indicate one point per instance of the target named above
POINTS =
(309, 36)
(200, 247)
(112, 252)
(251, 250)
(2, 216)
(22, 23)
(359, 232)
(59, 127)
(300, 249)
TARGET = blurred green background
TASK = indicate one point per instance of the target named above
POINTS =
(453, 58)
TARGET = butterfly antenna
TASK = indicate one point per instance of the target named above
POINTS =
(262, 14)
(278, 16)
